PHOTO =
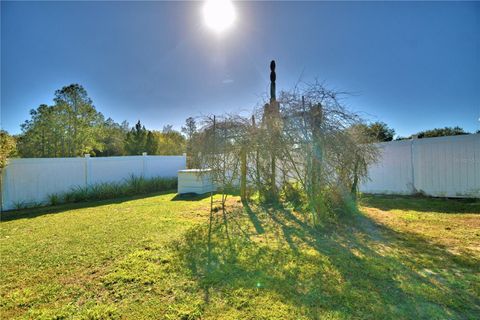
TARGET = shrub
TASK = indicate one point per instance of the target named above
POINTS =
(293, 193)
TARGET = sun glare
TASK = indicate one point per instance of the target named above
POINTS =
(219, 15)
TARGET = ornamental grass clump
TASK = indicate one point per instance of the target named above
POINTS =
(133, 185)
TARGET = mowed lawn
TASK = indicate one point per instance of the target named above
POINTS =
(167, 258)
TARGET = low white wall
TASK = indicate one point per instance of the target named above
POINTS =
(29, 181)
(439, 167)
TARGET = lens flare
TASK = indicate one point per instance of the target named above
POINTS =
(219, 15)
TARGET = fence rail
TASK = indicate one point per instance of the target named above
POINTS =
(439, 167)
(29, 181)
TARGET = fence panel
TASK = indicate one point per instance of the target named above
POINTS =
(440, 167)
(114, 169)
(30, 181)
(445, 166)
(27, 181)
(167, 166)
(393, 172)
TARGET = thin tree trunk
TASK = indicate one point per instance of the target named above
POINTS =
(243, 176)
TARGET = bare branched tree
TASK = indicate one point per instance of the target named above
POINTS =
(322, 150)
(311, 141)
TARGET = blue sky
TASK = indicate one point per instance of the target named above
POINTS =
(413, 65)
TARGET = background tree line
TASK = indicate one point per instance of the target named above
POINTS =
(73, 127)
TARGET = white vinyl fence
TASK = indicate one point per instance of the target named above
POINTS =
(439, 167)
(29, 181)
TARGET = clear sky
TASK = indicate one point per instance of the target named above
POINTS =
(413, 65)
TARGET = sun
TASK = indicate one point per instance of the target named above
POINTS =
(219, 15)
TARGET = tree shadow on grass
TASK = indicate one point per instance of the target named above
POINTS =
(421, 203)
(253, 218)
(354, 269)
(40, 211)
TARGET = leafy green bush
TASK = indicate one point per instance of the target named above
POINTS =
(328, 204)
(293, 193)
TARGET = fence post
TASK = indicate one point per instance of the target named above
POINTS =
(2, 172)
(412, 162)
(144, 157)
(87, 170)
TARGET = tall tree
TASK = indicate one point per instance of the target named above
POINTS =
(190, 132)
(45, 134)
(136, 140)
(113, 137)
(378, 131)
(7, 147)
(67, 129)
(83, 121)
(437, 132)
(190, 128)
(170, 143)
(441, 132)
(151, 145)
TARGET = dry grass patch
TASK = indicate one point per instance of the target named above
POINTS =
(452, 223)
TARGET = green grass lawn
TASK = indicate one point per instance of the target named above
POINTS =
(166, 258)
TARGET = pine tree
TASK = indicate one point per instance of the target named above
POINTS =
(136, 140)
(151, 145)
